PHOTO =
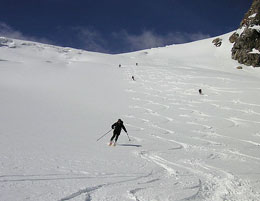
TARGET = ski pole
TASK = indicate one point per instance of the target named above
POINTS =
(128, 136)
(104, 135)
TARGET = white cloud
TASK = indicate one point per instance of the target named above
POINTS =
(148, 39)
(91, 39)
(9, 32)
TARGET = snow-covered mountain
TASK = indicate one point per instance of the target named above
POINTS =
(56, 102)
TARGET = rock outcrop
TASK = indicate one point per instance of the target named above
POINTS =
(7, 42)
(217, 42)
(246, 48)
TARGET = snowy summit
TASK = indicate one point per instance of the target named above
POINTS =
(182, 144)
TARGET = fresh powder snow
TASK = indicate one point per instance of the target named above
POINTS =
(184, 146)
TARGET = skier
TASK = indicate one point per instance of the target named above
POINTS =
(200, 92)
(117, 130)
(133, 78)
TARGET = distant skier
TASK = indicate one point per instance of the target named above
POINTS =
(200, 92)
(117, 130)
(133, 78)
(136, 64)
(119, 65)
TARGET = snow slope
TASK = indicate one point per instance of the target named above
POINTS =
(56, 102)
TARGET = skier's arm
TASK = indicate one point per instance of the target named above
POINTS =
(113, 126)
(124, 128)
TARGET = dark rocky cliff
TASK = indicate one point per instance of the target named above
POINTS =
(246, 48)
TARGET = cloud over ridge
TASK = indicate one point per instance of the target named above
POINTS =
(91, 39)
(149, 39)
(10, 32)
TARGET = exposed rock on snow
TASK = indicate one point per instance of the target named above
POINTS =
(217, 42)
(247, 37)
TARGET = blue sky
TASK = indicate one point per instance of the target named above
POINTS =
(116, 26)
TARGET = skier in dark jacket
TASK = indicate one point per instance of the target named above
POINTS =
(118, 126)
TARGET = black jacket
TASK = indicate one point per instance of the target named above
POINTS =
(118, 127)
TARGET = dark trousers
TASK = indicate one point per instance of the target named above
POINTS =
(115, 135)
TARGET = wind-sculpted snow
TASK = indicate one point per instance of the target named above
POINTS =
(56, 102)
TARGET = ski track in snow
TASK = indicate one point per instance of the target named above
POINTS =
(213, 183)
(86, 191)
